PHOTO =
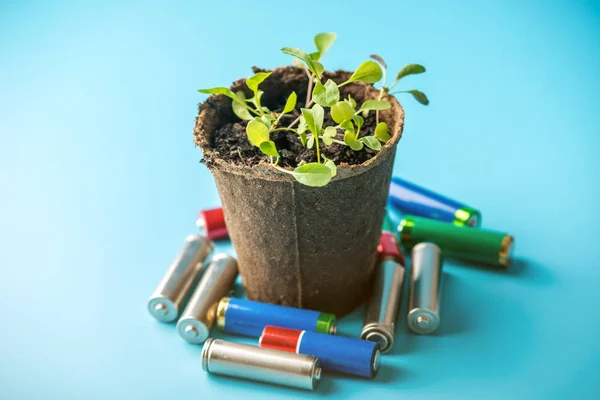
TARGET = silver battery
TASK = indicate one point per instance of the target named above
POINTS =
(382, 309)
(199, 315)
(173, 290)
(264, 365)
(425, 289)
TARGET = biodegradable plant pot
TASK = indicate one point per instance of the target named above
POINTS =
(301, 246)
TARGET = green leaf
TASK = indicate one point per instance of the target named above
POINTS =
(359, 121)
(257, 132)
(326, 95)
(419, 96)
(221, 90)
(315, 55)
(369, 72)
(302, 125)
(302, 55)
(269, 148)
(375, 105)
(341, 112)
(371, 142)
(351, 101)
(256, 80)
(319, 68)
(347, 125)
(313, 174)
(303, 139)
(328, 135)
(410, 69)
(323, 41)
(381, 132)
(265, 119)
(331, 165)
(379, 59)
(290, 104)
(330, 131)
(314, 118)
(351, 141)
(239, 108)
(310, 143)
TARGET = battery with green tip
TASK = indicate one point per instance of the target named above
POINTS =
(459, 242)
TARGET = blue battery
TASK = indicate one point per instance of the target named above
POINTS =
(336, 353)
(414, 200)
(249, 318)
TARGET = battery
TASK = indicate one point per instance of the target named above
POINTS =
(425, 286)
(173, 290)
(200, 313)
(473, 245)
(264, 365)
(211, 223)
(411, 199)
(336, 353)
(381, 313)
(249, 318)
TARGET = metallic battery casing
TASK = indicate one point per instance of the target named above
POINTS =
(199, 315)
(474, 245)
(264, 365)
(212, 223)
(173, 290)
(382, 309)
(336, 353)
(415, 200)
(249, 318)
(425, 288)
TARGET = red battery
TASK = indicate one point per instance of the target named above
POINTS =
(282, 339)
(389, 247)
(212, 223)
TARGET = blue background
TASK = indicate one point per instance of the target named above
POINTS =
(100, 183)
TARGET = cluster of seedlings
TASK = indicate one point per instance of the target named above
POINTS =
(322, 97)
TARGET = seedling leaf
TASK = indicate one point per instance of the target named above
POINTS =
(239, 108)
(310, 143)
(351, 141)
(371, 142)
(379, 59)
(302, 55)
(314, 118)
(375, 105)
(410, 69)
(290, 104)
(256, 80)
(381, 132)
(221, 90)
(313, 174)
(331, 165)
(257, 132)
(342, 111)
(419, 96)
(369, 72)
(323, 41)
(269, 148)
(326, 95)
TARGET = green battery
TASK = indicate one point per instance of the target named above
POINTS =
(460, 242)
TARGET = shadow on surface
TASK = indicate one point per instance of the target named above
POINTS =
(521, 268)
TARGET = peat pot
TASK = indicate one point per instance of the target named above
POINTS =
(296, 245)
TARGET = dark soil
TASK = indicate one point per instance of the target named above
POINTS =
(231, 142)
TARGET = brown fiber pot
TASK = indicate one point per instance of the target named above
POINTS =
(300, 246)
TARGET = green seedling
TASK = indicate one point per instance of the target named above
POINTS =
(322, 97)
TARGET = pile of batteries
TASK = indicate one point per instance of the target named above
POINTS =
(294, 345)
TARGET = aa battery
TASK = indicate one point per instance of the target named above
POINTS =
(411, 199)
(425, 286)
(381, 312)
(336, 353)
(249, 318)
(264, 365)
(474, 245)
(173, 290)
(200, 313)
(212, 223)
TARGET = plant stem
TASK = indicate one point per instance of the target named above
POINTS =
(339, 142)
(309, 91)
(318, 152)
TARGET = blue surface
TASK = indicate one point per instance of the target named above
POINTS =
(101, 184)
